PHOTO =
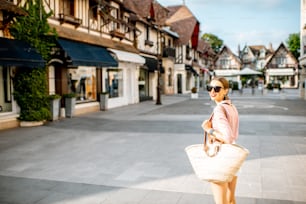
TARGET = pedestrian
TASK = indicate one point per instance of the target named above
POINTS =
(224, 125)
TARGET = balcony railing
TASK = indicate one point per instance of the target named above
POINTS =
(168, 52)
(149, 42)
(281, 66)
(64, 18)
(117, 33)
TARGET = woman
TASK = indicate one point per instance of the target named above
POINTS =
(224, 125)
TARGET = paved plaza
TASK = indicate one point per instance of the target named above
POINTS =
(135, 154)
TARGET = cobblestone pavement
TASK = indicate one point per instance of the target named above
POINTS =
(135, 154)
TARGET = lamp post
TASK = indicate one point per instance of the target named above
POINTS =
(159, 66)
(158, 98)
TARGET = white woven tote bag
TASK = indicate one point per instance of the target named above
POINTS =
(219, 168)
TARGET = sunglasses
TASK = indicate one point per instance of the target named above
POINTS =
(216, 88)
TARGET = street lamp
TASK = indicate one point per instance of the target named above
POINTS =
(159, 66)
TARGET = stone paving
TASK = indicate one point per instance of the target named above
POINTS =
(135, 154)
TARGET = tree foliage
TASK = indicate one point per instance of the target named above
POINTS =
(215, 42)
(30, 85)
(35, 29)
(293, 43)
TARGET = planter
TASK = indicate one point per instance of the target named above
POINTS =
(194, 95)
(55, 109)
(103, 102)
(70, 107)
(31, 123)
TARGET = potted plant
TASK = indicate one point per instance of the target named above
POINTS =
(54, 100)
(194, 93)
(104, 101)
(70, 100)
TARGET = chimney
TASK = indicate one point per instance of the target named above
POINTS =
(271, 47)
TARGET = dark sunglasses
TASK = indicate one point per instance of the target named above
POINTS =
(216, 88)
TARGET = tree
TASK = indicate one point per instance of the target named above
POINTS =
(215, 42)
(293, 43)
(30, 85)
(35, 29)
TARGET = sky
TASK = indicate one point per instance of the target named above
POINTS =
(245, 22)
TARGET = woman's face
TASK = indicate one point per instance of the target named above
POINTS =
(217, 91)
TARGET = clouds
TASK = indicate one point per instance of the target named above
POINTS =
(250, 22)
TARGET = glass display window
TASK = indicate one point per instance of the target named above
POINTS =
(82, 81)
(114, 83)
(5, 89)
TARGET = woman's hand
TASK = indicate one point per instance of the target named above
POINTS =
(206, 125)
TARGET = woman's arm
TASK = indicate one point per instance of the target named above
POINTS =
(221, 125)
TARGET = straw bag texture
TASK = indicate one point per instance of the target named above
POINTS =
(215, 161)
(220, 167)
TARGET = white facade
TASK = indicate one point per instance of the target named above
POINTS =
(130, 64)
(302, 59)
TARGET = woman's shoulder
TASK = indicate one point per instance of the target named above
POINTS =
(225, 106)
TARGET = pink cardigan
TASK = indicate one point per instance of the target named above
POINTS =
(226, 123)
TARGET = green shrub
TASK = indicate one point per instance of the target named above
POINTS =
(70, 95)
(30, 92)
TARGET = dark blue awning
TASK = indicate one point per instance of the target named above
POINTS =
(19, 53)
(82, 54)
(151, 63)
(191, 69)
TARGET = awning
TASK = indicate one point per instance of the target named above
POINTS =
(128, 56)
(81, 54)
(281, 72)
(226, 72)
(191, 69)
(19, 53)
(151, 63)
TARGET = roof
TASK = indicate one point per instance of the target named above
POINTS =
(227, 49)
(148, 9)
(185, 29)
(183, 22)
(206, 49)
(282, 45)
(8, 6)
(257, 48)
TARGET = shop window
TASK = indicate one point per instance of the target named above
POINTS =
(170, 77)
(5, 90)
(82, 81)
(143, 84)
(114, 83)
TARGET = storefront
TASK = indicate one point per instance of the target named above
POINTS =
(14, 55)
(78, 68)
(192, 77)
(148, 79)
(121, 82)
(286, 76)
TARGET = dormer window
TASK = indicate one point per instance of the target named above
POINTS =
(281, 60)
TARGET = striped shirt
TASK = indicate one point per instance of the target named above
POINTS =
(225, 120)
